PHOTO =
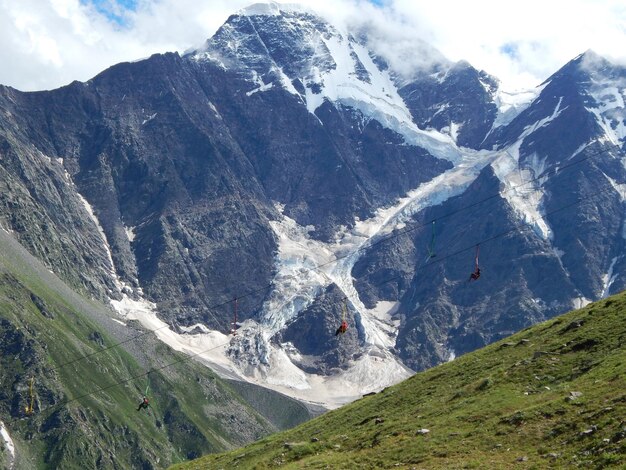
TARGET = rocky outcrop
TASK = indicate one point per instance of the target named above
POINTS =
(314, 334)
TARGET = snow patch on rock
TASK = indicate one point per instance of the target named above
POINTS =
(580, 302)
(511, 104)
(620, 188)
(8, 444)
(206, 347)
(610, 109)
(609, 278)
(105, 243)
(522, 182)
(130, 233)
(522, 191)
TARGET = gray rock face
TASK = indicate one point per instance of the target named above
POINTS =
(182, 171)
(182, 201)
(38, 202)
(454, 97)
(526, 277)
(314, 334)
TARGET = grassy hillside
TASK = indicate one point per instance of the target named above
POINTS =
(85, 411)
(551, 396)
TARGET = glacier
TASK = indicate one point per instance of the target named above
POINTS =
(304, 267)
(335, 68)
(341, 71)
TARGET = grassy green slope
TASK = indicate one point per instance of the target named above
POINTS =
(86, 410)
(551, 396)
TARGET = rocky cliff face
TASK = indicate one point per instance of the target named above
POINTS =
(456, 99)
(548, 211)
(287, 166)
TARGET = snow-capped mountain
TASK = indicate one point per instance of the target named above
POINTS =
(285, 164)
(292, 48)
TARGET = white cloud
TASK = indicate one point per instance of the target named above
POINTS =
(45, 44)
(48, 43)
(544, 34)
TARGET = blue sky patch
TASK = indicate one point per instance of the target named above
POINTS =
(114, 10)
(511, 49)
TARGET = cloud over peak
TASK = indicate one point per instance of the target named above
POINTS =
(49, 43)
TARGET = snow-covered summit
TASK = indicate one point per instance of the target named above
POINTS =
(287, 46)
(272, 9)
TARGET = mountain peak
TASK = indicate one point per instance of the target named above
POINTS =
(594, 63)
(590, 61)
(583, 67)
(272, 9)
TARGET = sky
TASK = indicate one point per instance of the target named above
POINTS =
(45, 44)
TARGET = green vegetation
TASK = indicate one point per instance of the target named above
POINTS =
(551, 396)
(85, 411)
